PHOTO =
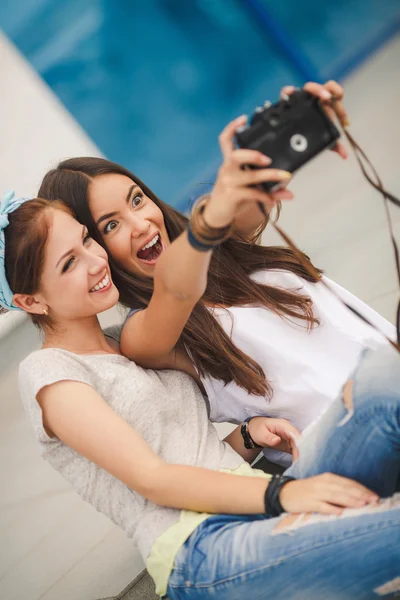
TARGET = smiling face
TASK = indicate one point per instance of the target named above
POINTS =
(75, 282)
(130, 223)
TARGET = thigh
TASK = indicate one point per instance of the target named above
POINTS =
(233, 557)
(359, 435)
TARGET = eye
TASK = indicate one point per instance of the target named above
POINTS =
(136, 200)
(68, 264)
(87, 239)
(110, 226)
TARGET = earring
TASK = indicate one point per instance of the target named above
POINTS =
(45, 312)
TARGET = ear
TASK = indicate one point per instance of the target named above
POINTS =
(30, 304)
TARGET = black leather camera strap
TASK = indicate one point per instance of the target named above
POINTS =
(388, 197)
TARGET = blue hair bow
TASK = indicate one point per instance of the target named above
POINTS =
(7, 205)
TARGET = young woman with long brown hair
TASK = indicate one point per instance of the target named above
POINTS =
(138, 444)
(247, 321)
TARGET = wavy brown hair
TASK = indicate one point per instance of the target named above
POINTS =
(229, 277)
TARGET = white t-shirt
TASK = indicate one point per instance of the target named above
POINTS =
(306, 369)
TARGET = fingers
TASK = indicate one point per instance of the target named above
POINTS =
(243, 157)
(341, 150)
(350, 484)
(270, 439)
(295, 450)
(256, 176)
(346, 492)
(337, 94)
(331, 95)
(335, 89)
(227, 135)
(324, 508)
(281, 195)
(318, 90)
(330, 92)
(287, 90)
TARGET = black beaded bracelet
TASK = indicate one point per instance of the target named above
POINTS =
(272, 503)
(249, 443)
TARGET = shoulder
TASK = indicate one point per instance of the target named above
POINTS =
(48, 366)
(50, 359)
(278, 278)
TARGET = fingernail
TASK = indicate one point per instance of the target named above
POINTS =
(326, 95)
(346, 122)
(241, 118)
(266, 160)
(284, 174)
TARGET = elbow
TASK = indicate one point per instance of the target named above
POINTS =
(152, 485)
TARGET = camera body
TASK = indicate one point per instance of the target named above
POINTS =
(291, 132)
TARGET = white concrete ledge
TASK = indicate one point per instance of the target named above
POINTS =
(37, 132)
(9, 321)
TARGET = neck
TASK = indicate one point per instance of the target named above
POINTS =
(83, 336)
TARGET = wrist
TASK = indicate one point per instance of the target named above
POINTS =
(201, 235)
(248, 441)
(272, 498)
(215, 218)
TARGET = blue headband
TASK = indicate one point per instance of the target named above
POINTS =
(7, 205)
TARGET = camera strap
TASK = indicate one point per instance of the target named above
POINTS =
(374, 180)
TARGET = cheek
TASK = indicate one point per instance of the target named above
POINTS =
(119, 246)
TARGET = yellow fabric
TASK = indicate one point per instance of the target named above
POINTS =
(160, 561)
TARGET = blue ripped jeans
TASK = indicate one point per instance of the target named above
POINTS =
(355, 556)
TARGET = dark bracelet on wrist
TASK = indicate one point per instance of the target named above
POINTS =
(197, 244)
(272, 504)
(249, 443)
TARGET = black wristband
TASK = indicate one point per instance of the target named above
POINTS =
(273, 506)
(196, 244)
(249, 443)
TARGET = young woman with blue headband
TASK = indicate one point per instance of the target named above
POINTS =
(247, 321)
(138, 445)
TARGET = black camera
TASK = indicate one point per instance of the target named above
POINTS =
(291, 132)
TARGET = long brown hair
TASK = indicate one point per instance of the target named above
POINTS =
(229, 281)
(25, 243)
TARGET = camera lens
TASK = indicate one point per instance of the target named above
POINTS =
(298, 142)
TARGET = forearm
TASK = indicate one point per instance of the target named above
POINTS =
(203, 490)
(249, 221)
(182, 271)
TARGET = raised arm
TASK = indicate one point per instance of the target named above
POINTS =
(78, 416)
(180, 276)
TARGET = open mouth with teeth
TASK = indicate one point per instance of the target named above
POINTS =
(102, 285)
(152, 250)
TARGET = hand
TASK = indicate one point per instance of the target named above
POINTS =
(326, 494)
(326, 93)
(233, 188)
(275, 433)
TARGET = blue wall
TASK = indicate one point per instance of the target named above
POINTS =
(153, 82)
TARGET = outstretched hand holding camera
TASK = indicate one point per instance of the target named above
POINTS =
(238, 188)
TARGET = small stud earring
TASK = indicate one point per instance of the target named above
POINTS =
(45, 312)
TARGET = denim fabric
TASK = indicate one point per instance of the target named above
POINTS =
(355, 556)
(363, 442)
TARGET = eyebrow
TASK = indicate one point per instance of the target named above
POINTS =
(112, 214)
(84, 229)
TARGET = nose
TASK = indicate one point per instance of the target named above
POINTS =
(139, 226)
(97, 264)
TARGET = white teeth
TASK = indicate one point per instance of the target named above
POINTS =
(103, 283)
(151, 243)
